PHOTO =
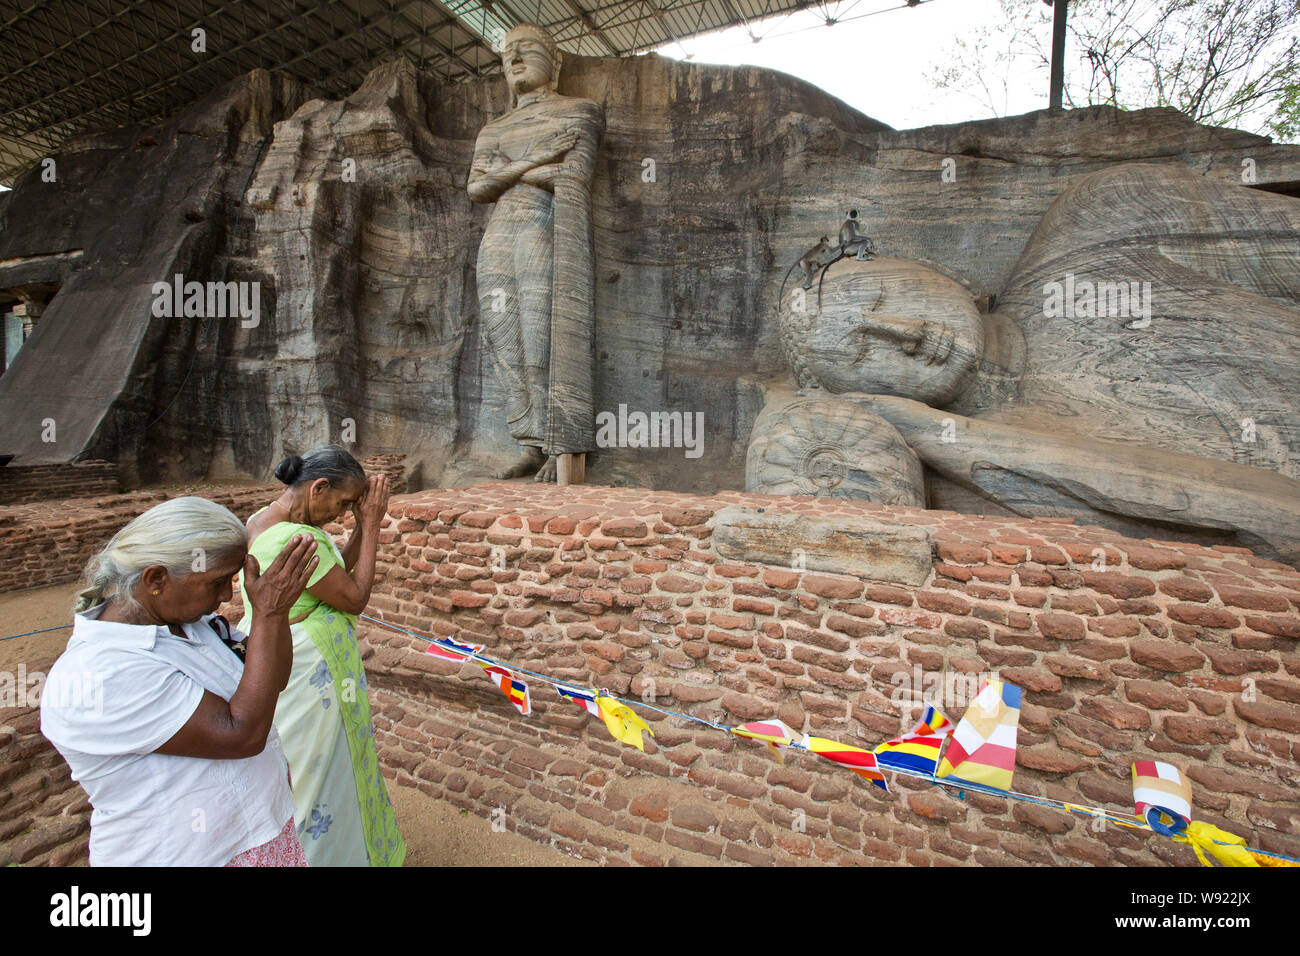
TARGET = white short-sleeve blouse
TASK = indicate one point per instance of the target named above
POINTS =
(118, 693)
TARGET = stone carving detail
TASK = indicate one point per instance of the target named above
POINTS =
(879, 550)
(890, 326)
(828, 448)
(536, 262)
(1138, 371)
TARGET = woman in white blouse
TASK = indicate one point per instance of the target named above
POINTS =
(159, 719)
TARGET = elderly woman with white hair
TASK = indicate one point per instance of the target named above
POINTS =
(176, 748)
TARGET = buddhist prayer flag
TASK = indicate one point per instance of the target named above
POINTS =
(932, 724)
(773, 732)
(450, 650)
(513, 687)
(983, 747)
(862, 762)
(1161, 796)
(586, 699)
(918, 754)
(623, 723)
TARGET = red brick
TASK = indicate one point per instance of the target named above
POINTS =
(1118, 585)
(676, 584)
(1007, 554)
(1155, 694)
(469, 599)
(943, 602)
(960, 552)
(937, 805)
(1201, 616)
(841, 588)
(1154, 559)
(1166, 656)
(624, 528)
(1274, 716)
(1252, 600)
(1043, 818)
(785, 580)
(742, 604)
(1280, 626)
(1061, 627)
(693, 817)
(1050, 759)
(1229, 661)
(1118, 715)
(652, 806)
(1195, 730)
(1031, 679)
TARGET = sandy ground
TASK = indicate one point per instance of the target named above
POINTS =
(437, 833)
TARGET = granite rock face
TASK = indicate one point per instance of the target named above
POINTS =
(709, 184)
(128, 208)
(1153, 306)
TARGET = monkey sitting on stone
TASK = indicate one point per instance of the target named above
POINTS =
(854, 242)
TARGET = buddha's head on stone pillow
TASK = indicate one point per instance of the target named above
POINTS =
(886, 327)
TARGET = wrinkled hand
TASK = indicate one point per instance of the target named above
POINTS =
(373, 503)
(275, 590)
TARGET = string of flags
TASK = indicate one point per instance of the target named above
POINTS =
(978, 753)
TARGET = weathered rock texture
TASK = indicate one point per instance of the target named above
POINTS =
(369, 300)
(809, 444)
(131, 207)
(1219, 266)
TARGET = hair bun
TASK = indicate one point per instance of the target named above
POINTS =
(289, 469)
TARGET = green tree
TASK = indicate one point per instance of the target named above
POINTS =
(1222, 62)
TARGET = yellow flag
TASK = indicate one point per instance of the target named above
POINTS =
(1207, 837)
(623, 722)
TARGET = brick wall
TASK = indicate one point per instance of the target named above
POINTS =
(44, 816)
(1172, 651)
(1147, 658)
(49, 542)
(20, 484)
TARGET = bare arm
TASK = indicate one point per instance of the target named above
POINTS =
(348, 588)
(237, 728)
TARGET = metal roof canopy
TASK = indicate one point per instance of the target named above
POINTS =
(72, 66)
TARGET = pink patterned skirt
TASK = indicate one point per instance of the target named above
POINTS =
(284, 850)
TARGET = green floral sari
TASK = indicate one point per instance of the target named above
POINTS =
(341, 805)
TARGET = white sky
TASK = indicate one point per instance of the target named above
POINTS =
(875, 58)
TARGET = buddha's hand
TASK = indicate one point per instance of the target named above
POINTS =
(274, 591)
(552, 147)
(543, 177)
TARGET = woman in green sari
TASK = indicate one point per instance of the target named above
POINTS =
(341, 806)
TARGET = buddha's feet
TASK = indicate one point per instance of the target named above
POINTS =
(547, 472)
(533, 459)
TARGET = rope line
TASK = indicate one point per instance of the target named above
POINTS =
(1074, 809)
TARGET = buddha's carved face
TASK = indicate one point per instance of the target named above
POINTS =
(890, 327)
(527, 60)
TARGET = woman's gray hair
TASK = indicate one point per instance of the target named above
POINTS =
(174, 534)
